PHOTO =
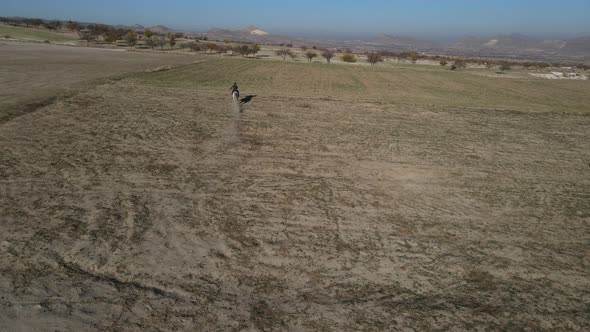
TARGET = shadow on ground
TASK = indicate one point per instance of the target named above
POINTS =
(247, 99)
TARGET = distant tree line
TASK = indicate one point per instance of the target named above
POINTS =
(32, 22)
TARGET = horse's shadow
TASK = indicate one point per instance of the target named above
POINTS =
(247, 99)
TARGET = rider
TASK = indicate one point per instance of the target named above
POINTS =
(234, 88)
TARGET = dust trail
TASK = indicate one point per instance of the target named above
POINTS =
(233, 128)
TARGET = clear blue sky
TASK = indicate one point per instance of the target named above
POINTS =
(325, 18)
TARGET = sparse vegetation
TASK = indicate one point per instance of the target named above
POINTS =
(151, 42)
(458, 64)
(328, 55)
(254, 49)
(212, 47)
(34, 34)
(73, 26)
(87, 35)
(159, 41)
(341, 198)
(131, 38)
(504, 66)
(407, 150)
(374, 57)
(195, 47)
(284, 52)
(171, 40)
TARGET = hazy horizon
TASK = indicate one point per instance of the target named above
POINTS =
(441, 20)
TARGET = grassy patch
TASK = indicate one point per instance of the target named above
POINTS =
(393, 84)
(34, 34)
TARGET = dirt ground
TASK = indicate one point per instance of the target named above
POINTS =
(142, 206)
(33, 74)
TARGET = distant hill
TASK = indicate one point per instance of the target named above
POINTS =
(250, 33)
(520, 44)
(577, 46)
(403, 42)
(514, 45)
(137, 27)
(160, 29)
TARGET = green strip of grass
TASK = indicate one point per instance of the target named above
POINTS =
(392, 84)
(33, 34)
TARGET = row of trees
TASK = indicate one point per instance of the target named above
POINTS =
(372, 57)
(211, 48)
(32, 22)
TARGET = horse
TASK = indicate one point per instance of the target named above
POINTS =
(235, 95)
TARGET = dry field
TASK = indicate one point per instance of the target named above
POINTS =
(337, 199)
(32, 75)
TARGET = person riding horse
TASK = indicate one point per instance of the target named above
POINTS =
(234, 88)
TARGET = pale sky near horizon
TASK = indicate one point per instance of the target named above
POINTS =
(433, 19)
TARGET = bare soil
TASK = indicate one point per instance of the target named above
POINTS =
(138, 205)
(33, 75)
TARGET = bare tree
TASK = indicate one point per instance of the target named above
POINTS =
(458, 64)
(443, 62)
(171, 40)
(73, 26)
(222, 49)
(212, 47)
(284, 52)
(310, 55)
(328, 55)
(160, 41)
(151, 42)
(195, 47)
(505, 66)
(374, 57)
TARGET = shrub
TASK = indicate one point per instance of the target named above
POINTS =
(505, 66)
(458, 64)
(348, 57)
(131, 38)
(195, 47)
(374, 57)
(212, 47)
